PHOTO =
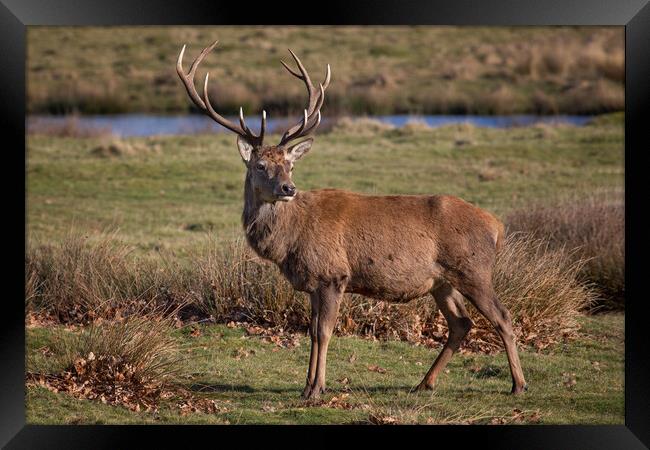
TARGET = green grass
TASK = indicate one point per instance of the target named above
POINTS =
(265, 386)
(175, 192)
(378, 70)
(190, 186)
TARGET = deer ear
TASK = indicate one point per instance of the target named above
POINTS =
(295, 152)
(245, 148)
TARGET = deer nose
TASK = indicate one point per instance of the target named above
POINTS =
(288, 189)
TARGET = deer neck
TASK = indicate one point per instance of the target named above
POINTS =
(270, 227)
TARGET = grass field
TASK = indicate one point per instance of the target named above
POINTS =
(168, 192)
(253, 381)
(167, 196)
(376, 70)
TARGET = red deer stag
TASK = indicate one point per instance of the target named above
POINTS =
(327, 242)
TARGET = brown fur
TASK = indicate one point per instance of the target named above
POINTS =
(389, 247)
(327, 242)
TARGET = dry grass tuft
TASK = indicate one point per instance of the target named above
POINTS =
(69, 127)
(127, 362)
(602, 95)
(233, 284)
(539, 285)
(464, 134)
(414, 126)
(82, 279)
(595, 228)
(115, 148)
(361, 126)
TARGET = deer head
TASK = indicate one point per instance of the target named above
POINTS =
(269, 166)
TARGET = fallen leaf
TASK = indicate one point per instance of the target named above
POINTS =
(375, 368)
(382, 419)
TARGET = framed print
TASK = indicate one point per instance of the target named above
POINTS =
(368, 213)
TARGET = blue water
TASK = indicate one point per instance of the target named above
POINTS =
(126, 125)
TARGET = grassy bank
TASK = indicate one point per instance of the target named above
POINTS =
(376, 70)
(253, 380)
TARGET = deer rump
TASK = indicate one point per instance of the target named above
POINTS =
(389, 247)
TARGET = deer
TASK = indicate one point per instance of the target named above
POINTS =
(328, 242)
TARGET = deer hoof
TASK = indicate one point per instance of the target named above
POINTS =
(305, 392)
(422, 387)
(519, 389)
(314, 394)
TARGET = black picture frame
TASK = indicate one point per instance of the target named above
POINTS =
(634, 15)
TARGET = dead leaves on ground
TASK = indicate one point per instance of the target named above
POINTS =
(384, 321)
(339, 401)
(111, 380)
(569, 380)
(189, 404)
(241, 353)
(376, 368)
(518, 416)
(275, 335)
(107, 379)
(382, 419)
(45, 351)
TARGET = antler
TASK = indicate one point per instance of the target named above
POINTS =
(204, 103)
(314, 103)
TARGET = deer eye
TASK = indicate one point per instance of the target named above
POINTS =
(260, 166)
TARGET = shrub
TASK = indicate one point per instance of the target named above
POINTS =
(81, 279)
(539, 284)
(235, 284)
(595, 228)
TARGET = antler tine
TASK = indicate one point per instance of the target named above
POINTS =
(303, 71)
(187, 81)
(242, 121)
(313, 126)
(321, 98)
(262, 126)
(314, 102)
(299, 128)
(217, 117)
(204, 103)
(291, 71)
(328, 74)
(286, 137)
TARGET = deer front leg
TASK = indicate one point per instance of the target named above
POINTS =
(313, 334)
(329, 300)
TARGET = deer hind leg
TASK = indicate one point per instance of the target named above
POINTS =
(313, 334)
(450, 302)
(329, 298)
(483, 297)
